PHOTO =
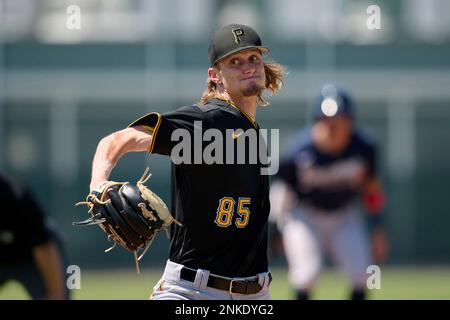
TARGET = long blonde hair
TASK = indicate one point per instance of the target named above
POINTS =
(274, 82)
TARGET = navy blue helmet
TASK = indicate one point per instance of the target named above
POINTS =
(332, 101)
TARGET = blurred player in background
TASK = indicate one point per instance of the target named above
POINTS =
(30, 249)
(327, 174)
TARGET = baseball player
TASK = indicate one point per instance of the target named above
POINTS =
(329, 170)
(219, 250)
(31, 251)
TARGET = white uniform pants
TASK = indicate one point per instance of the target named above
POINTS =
(308, 235)
(171, 287)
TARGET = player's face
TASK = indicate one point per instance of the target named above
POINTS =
(243, 73)
(333, 134)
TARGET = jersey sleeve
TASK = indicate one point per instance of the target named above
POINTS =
(371, 159)
(164, 125)
(34, 220)
(26, 213)
(370, 154)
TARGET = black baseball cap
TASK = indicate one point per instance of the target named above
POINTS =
(231, 39)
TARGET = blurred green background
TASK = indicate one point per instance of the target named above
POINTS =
(62, 90)
(398, 283)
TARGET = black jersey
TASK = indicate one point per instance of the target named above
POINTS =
(223, 206)
(22, 224)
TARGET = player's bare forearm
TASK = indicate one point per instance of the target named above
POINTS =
(50, 265)
(112, 147)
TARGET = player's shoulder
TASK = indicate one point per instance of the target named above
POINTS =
(10, 186)
(185, 113)
(211, 107)
(299, 142)
(364, 139)
(217, 107)
(192, 108)
(301, 139)
(219, 113)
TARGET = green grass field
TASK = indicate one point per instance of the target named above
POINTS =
(396, 283)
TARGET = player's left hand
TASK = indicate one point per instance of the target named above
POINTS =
(380, 245)
(131, 215)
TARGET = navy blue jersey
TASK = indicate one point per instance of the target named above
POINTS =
(328, 182)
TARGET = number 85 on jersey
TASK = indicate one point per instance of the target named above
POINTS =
(225, 212)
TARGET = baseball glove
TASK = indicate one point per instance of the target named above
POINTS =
(131, 215)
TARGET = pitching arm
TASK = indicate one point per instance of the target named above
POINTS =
(112, 147)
